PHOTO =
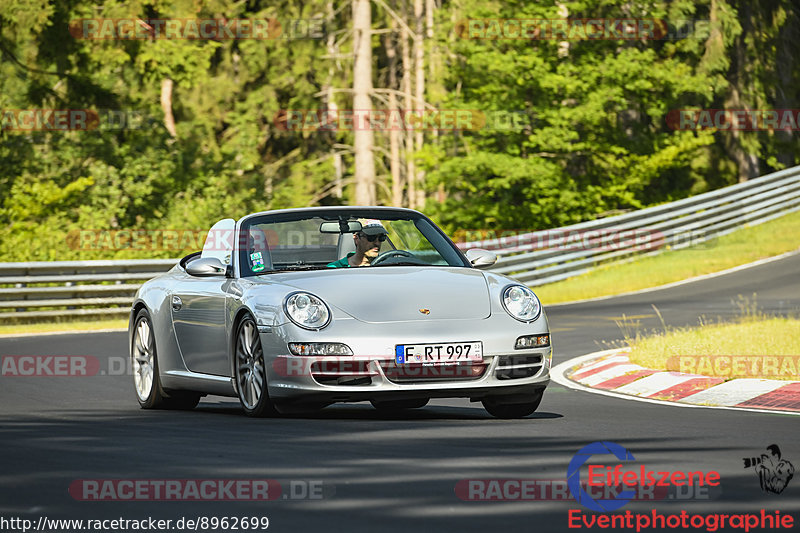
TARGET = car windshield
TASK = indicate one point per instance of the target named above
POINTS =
(321, 240)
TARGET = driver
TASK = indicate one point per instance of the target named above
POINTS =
(368, 244)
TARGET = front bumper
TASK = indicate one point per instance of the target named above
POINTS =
(371, 373)
(296, 379)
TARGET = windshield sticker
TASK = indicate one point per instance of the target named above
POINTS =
(257, 262)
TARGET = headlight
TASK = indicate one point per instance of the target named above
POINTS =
(520, 302)
(532, 341)
(307, 311)
(319, 348)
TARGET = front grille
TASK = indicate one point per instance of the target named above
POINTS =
(342, 372)
(518, 366)
(432, 373)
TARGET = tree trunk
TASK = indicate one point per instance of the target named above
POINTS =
(330, 103)
(362, 105)
(746, 162)
(736, 145)
(394, 134)
(433, 57)
(433, 81)
(409, 107)
(563, 46)
(419, 93)
(787, 80)
(166, 106)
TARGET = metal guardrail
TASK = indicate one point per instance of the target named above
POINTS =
(46, 290)
(547, 256)
(41, 290)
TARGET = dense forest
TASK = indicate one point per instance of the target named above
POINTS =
(482, 114)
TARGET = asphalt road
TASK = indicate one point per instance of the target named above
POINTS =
(388, 474)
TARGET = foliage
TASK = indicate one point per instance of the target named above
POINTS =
(593, 138)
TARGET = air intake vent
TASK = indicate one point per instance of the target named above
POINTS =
(518, 366)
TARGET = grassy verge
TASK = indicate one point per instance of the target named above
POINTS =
(738, 248)
(756, 346)
(82, 325)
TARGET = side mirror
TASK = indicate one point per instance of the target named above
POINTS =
(207, 266)
(480, 258)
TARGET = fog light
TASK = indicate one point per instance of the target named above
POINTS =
(319, 348)
(532, 341)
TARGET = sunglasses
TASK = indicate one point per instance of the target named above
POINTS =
(372, 238)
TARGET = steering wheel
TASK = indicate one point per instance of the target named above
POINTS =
(383, 256)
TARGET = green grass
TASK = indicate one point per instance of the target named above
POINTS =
(755, 346)
(738, 248)
(77, 325)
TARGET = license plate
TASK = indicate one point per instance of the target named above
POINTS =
(439, 353)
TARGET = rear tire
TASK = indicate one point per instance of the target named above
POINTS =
(146, 380)
(499, 409)
(390, 406)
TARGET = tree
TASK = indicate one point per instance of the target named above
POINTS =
(565, 129)
(362, 103)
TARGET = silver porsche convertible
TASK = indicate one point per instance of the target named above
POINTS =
(296, 309)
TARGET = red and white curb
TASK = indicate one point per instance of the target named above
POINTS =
(611, 373)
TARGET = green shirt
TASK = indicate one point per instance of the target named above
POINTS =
(343, 262)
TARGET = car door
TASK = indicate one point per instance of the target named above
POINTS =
(199, 307)
(198, 316)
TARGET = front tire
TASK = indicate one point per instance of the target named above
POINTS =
(251, 376)
(498, 408)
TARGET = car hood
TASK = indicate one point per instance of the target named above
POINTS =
(401, 293)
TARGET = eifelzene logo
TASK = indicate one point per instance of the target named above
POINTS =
(601, 475)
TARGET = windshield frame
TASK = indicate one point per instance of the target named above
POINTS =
(437, 238)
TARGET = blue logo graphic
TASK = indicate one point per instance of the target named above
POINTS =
(574, 476)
